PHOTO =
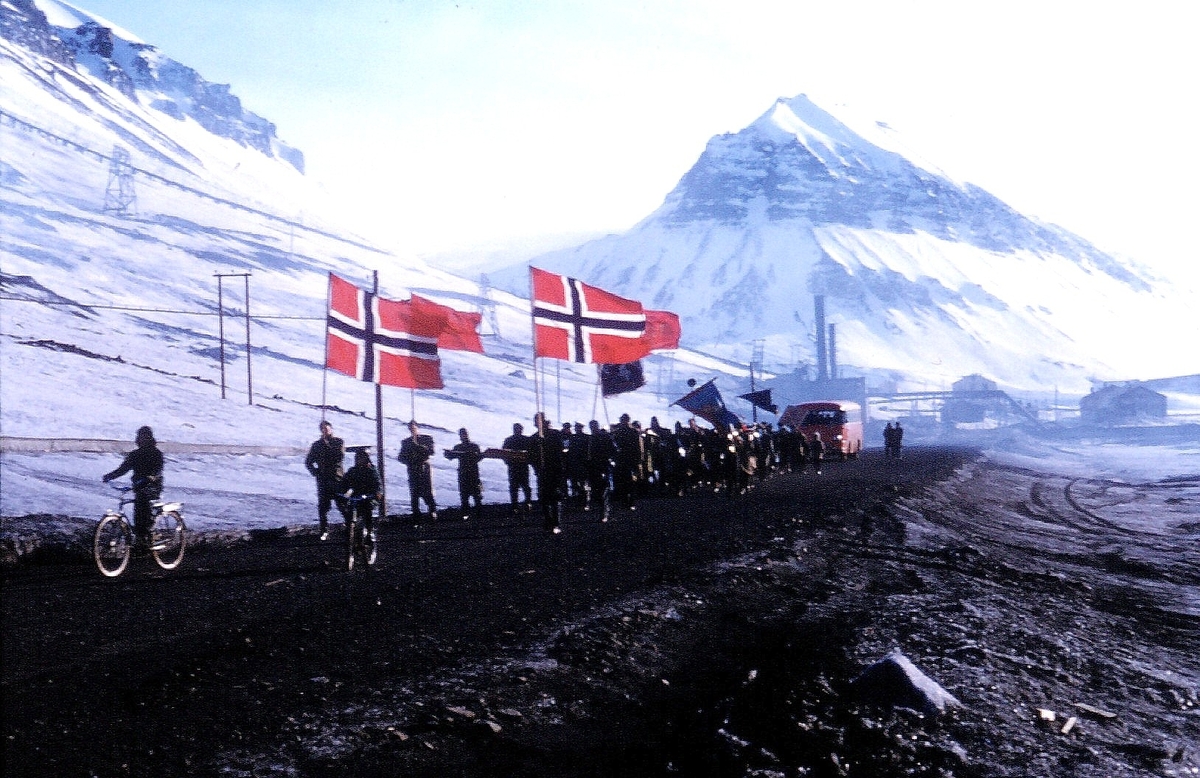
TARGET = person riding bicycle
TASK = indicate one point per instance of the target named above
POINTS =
(146, 464)
(361, 481)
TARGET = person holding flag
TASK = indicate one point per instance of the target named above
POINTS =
(415, 452)
(470, 487)
(546, 456)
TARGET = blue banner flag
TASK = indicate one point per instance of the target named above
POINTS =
(761, 399)
(705, 401)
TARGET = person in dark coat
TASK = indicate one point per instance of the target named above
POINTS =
(599, 463)
(324, 463)
(546, 456)
(470, 487)
(518, 467)
(577, 464)
(816, 452)
(627, 462)
(415, 452)
(145, 463)
(362, 480)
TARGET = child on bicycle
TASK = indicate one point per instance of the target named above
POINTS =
(146, 464)
(362, 481)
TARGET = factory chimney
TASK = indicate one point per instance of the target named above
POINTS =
(822, 365)
(833, 362)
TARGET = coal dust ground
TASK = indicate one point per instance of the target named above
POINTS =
(711, 635)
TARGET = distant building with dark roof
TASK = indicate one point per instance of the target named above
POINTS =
(973, 383)
(1122, 404)
(972, 399)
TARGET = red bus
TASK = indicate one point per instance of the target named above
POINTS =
(839, 423)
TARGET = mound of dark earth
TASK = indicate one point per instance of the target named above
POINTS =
(704, 636)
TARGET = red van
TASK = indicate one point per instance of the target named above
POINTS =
(838, 421)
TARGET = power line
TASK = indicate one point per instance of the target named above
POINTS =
(137, 309)
(129, 170)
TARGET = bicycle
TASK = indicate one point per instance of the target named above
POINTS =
(113, 543)
(359, 542)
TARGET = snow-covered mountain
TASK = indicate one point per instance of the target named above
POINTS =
(108, 305)
(137, 69)
(927, 279)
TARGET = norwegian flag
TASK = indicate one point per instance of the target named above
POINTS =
(381, 341)
(581, 323)
(461, 330)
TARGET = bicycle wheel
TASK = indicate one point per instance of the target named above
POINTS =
(350, 526)
(370, 550)
(112, 545)
(168, 539)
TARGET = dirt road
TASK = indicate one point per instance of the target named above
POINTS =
(708, 635)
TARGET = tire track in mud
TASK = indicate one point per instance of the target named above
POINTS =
(1146, 569)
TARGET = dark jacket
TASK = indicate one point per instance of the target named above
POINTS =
(416, 453)
(146, 464)
(546, 454)
(324, 460)
(520, 443)
(360, 480)
(468, 456)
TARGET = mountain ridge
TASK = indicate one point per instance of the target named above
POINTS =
(77, 39)
(920, 271)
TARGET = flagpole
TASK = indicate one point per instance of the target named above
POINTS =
(537, 390)
(325, 365)
(596, 394)
(557, 390)
(379, 457)
(753, 407)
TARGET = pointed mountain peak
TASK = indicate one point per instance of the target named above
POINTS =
(800, 118)
(836, 145)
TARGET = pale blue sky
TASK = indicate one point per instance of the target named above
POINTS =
(457, 124)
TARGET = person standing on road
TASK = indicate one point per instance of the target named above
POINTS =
(415, 452)
(600, 454)
(324, 463)
(362, 480)
(146, 465)
(577, 463)
(816, 452)
(627, 460)
(546, 454)
(518, 467)
(898, 432)
(470, 487)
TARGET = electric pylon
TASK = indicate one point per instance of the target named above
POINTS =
(487, 306)
(119, 196)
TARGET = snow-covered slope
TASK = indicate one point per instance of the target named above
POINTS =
(108, 318)
(925, 277)
(143, 74)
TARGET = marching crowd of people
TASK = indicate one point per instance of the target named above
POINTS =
(593, 468)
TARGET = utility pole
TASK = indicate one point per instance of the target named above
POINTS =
(221, 329)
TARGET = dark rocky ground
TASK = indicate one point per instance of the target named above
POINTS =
(706, 636)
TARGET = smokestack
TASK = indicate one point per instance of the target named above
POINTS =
(833, 367)
(822, 367)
